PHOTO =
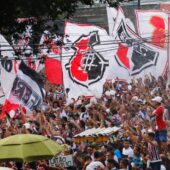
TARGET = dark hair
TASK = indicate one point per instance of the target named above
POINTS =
(124, 161)
(56, 102)
(151, 134)
(113, 162)
(87, 158)
(138, 148)
(114, 111)
(97, 154)
(83, 109)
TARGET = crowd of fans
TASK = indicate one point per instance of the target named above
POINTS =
(140, 108)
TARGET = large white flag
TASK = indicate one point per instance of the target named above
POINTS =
(136, 55)
(27, 91)
(8, 65)
(88, 59)
(153, 25)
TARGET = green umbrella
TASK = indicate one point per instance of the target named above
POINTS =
(28, 148)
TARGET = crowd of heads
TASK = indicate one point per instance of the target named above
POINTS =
(143, 138)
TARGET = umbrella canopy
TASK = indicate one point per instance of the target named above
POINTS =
(28, 147)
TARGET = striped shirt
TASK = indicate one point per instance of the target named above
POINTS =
(153, 152)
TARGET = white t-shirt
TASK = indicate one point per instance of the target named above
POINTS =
(83, 116)
(128, 152)
(94, 164)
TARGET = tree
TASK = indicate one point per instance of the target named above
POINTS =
(12, 9)
(49, 9)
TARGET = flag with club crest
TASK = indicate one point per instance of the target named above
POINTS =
(138, 56)
(88, 59)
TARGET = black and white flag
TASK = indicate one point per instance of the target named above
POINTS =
(28, 88)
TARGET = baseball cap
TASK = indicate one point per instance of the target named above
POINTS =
(150, 131)
(157, 99)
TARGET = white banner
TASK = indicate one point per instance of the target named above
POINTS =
(64, 161)
(153, 26)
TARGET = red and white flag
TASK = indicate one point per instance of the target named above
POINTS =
(88, 59)
(9, 108)
(52, 53)
(153, 26)
(134, 54)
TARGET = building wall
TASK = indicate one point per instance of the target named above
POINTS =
(98, 15)
(94, 15)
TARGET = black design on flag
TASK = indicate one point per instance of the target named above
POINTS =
(28, 88)
(33, 75)
(86, 66)
(141, 56)
(25, 94)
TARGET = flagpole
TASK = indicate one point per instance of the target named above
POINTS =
(62, 39)
(138, 4)
(168, 54)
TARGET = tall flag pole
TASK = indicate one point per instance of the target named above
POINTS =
(168, 45)
(168, 51)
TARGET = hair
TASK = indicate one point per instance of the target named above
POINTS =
(97, 154)
(87, 158)
(124, 162)
(83, 109)
(151, 134)
(113, 162)
(138, 148)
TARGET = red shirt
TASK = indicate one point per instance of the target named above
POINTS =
(161, 124)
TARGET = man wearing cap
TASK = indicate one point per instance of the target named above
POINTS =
(161, 129)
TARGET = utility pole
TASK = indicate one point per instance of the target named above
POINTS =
(138, 4)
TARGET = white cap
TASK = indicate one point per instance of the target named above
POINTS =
(113, 81)
(107, 110)
(112, 92)
(27, 125)
(150, 130)
(107, 93)
(129, 87)
(157, 99)
(93, 100)
(135, 98)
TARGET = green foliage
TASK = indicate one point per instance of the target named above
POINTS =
(52, 9)
(12, 9)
